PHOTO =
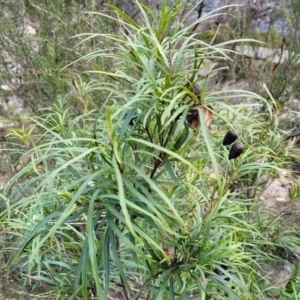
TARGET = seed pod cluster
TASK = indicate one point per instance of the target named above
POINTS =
(193, 118)
(237, 147)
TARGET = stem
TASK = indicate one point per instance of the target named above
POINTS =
(157, 164)
(278, 215)
(117, 241)
(149, 135)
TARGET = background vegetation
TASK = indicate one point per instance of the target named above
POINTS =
(128, 189)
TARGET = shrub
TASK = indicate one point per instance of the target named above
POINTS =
(36, 43)
(142, 194)
(275, 60)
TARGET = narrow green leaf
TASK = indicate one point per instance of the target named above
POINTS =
(124, 16)
(210, 149)
(92, 244)
(164, 150)
(158, 191)
(106, 258)
(122, 197)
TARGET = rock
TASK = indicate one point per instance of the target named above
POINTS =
(12, 106)
(275, 191)
(276, 274)
(262, 53)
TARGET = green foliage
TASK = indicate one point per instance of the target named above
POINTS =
(130, 195)
(32, 63)
(277, 65)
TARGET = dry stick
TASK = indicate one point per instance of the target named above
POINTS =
(276, 65)
(281, 54)
(124, 289)
(158, 162)
(199, 11)
(279, 215)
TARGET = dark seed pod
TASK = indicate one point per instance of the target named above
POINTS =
(229, 138)
(193, 118)
(197, 90)
(236, 150)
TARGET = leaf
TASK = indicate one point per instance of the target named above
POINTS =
(182, 138)
(122, 198)
(109, 124)
(92, 248)
(124, 15)
(210, 149)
